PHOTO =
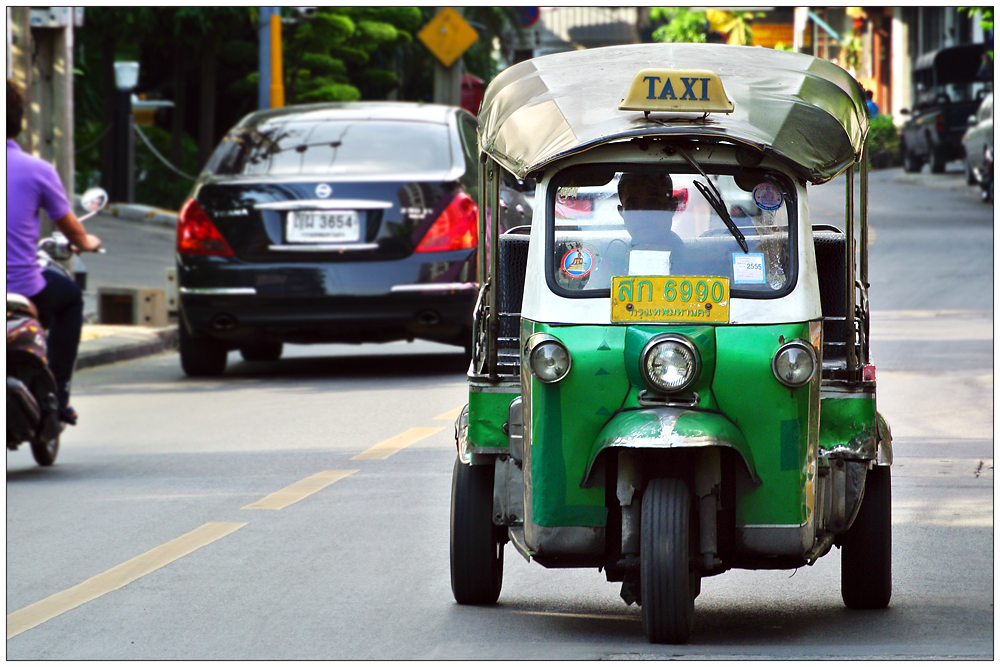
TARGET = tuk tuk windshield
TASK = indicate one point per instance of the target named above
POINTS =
(607, 222)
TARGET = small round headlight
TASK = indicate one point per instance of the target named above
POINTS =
(548, 358)
(794, 364)
(670, 363)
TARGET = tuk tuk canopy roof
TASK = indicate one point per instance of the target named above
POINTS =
(802, 110)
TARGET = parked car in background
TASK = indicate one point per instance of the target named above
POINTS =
(949, 87)
(978, 142)
(346, 222)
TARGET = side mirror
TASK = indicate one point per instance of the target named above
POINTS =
(94, 199)
(904, 112)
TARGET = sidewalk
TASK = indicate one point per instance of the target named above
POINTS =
(137, 255)
(102, 344)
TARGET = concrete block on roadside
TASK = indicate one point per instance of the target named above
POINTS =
(143, 306)
(170, 282)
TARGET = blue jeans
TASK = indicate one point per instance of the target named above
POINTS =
(60, 310)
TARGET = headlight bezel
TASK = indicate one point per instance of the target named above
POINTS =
(682, 341)
(534, 343)
(795, 344)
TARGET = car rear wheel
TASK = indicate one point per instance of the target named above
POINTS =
(938, 160)
(476, 553)
(911, 163)
(201, 357)
(262, 351)
(866, 553)
(970, 176)
(665, 563)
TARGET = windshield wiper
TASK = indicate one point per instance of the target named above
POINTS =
(714, 198)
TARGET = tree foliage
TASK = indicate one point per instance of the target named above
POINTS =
(345, 53)
(679, 25)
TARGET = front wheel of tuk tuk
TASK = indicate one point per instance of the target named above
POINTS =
(476, 553)
(664, 562)
(866, 554)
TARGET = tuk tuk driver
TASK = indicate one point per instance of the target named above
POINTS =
(647, 209)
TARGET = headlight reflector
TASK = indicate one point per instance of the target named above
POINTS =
(670, 363)
(794, 364)
(548, 358)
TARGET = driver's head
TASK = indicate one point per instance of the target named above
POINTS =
(647, 205)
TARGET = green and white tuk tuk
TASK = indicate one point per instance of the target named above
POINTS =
(671, 374)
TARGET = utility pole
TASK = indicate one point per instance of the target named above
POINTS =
(264, 58)
(277, 74)
(448, 80)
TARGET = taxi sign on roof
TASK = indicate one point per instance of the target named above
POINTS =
(689, 90)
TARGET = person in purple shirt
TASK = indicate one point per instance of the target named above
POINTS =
(34, 185)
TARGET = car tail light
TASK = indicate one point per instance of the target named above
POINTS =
(196, 235)
(939, 122)
(457, 228)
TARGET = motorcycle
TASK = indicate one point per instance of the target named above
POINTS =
(32, 404)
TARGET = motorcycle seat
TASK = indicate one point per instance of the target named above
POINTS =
(17, 303)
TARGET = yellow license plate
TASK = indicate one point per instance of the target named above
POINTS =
(669, 299)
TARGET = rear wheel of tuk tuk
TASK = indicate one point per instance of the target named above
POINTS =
(664, 562)
(476, 553)
(866, 554)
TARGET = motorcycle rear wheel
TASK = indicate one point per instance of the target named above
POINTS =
(45, 451)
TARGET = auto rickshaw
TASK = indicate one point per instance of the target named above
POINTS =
(672, 374)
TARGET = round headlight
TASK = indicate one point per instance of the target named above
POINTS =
(794, 364)
(670, 363)
(548, 358)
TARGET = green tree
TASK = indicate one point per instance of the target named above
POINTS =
(346, 53)
(679, 25)
(851, 50)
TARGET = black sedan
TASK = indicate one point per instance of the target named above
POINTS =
(352, 222)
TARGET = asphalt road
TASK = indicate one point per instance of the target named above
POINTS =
(159, 533)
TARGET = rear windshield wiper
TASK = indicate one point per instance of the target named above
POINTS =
(714, 198)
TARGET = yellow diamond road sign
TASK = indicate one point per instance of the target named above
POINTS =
(447, 36)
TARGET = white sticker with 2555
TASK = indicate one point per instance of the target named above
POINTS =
(748, 268)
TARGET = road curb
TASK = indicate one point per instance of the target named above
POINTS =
(123, 343)
(144, 214)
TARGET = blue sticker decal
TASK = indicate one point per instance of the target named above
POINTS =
(577, 262)
(768, 197)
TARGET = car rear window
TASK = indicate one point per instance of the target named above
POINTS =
(355, 147)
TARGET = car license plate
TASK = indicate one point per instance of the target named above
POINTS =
(323, 227)
(669, 299)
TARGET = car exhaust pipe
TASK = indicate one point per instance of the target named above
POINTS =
(428, 318)
(224, 322)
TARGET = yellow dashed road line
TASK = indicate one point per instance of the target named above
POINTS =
(306, 487)
(121, 575)
(451, 415)
(387, 448)
(115, 578)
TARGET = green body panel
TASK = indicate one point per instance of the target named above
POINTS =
(848, 427)
(667, 427)
(780, 424)
(488, 412)
(774, 428)
(570, 413)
